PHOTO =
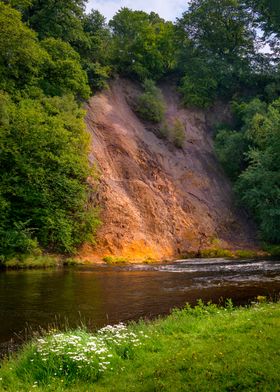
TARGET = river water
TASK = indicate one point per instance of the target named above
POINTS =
(99, 295)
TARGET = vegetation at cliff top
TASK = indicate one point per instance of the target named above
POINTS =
(206, 348)
(53, 55)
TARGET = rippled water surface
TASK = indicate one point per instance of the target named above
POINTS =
(99, 295)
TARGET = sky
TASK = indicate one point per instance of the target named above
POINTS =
(167, 9)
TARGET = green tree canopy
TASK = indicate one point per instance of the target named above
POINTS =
(269, 15)
(62, 71)
(217, 54)
(250, 155)
(259, 185)
(142, 44)
(95, 51)
(21, 55)
(57, 18)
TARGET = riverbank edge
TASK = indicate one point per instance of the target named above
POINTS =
(211, 347)
(54, 261)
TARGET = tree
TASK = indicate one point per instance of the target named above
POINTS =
(231, 148)
(226, 32)
(259, 185)
(21, 55)
(250, 156)
(43, 180)
(217, 51)
(267, 18)
(268, 15)
(62, 70)
(20, 5)
(142, 44)
(57, 18)
(96, 51)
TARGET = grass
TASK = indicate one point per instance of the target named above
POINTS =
(216, 252)
(205, 348)
(37, 262)
(72, 262)
(29, 262)
(115, 260)
(125, 260)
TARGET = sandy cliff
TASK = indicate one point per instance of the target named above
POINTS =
(157, 200)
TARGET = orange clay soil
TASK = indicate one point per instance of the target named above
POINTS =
(158, 201)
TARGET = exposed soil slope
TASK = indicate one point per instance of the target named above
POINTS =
(157, 200)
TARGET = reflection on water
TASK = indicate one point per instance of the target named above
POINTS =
(100, 295)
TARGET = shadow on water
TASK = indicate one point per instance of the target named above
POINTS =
(98, 295)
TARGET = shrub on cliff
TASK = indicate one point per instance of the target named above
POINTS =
(178, 134)
(150, 105)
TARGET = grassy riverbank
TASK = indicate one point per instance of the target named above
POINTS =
(52, 261)
(38, 262)
(201, 349)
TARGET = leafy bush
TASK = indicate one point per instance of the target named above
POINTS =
(17, 239)
(150, 105)
(198, 89)
(175, 134)
(273, 250)
(98, 75)
(230, 147)
(164, 130)
(178, 134)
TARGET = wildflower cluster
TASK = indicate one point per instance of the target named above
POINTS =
(118, 334)
(81, 354)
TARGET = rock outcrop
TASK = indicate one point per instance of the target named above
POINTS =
(157, 200)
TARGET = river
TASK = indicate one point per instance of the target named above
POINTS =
(99, 295)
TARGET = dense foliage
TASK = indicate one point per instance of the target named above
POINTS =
(218, 50)
(54, 54)
(142, 44)
(150, 105)
(250, 155)
(250, 151)
(44, 167)
(44, 147)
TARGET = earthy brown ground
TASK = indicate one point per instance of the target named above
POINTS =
(157, 200)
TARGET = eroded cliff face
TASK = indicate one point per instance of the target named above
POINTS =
(157, 200)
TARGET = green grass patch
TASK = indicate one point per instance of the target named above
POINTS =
(71, 262)
(151, 260)
(205, 348)
(246, 254)
(175, 133)
(216, 252)
(29, 262)
(115, 260)
(124, 260)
